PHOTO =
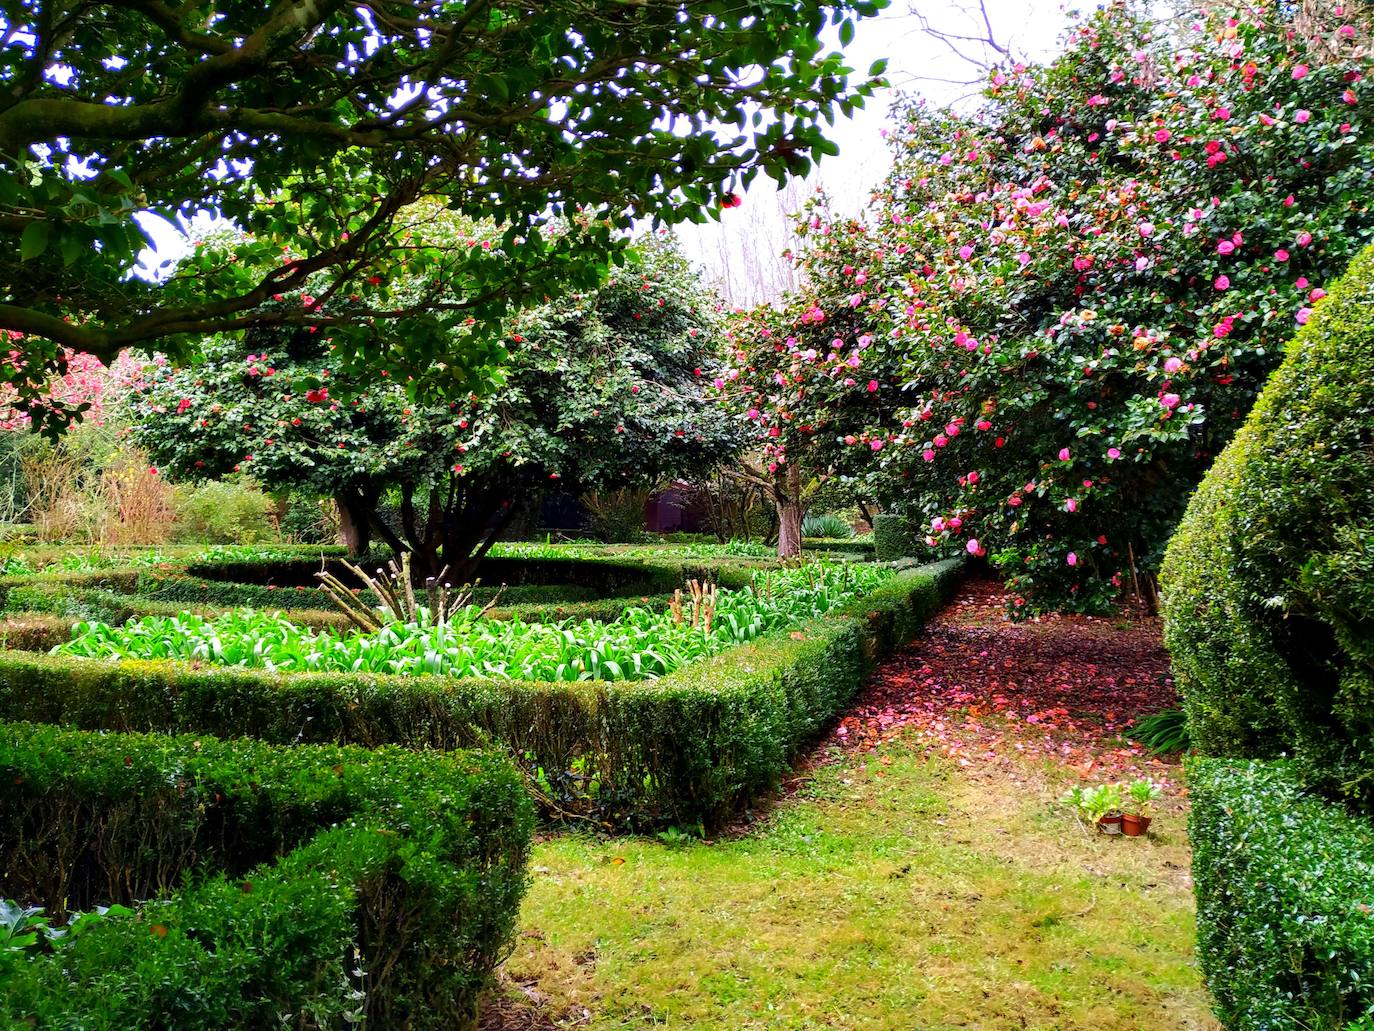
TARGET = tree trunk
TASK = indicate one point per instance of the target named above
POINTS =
(355, 526)
(787, 499)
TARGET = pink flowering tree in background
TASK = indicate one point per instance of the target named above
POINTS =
(82, 386)
(817, 394)
(1089, 280)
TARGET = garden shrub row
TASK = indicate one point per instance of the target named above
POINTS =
(1285, 892)
(694, 745)
(287, 886)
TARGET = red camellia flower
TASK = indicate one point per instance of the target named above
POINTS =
(317, 395)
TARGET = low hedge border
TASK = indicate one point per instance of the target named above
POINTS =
(408, 866)
(695, 745)
(1285, 898)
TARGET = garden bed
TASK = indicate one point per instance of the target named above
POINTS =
(692, 746)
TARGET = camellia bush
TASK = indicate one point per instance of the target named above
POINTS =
(815, 391)
(1089, 280)
(602, 391)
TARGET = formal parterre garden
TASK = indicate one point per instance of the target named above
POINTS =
(428, 601)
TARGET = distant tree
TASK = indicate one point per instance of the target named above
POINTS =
(602, 391)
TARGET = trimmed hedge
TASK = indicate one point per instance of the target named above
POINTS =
(1285, 892)
(695, 745)
(408, 866)
(1269, 583)
(895, 536)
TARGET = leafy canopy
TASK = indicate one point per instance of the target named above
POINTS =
(313, 127)
(602, 391)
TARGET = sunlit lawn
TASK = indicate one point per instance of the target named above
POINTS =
(893, 892)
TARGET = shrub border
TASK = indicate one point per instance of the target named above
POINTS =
(692, 746)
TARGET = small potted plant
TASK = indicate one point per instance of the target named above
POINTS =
(1100, 805)
(1140, 797)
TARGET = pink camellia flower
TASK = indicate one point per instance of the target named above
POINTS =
(1113, 453)
(1317, 294)
(973, 478)
(1225, 247)
(1303, 315)
(973, 547)
(928, 455)
(1064, 454)
(1146, 228)
(1349, 96)
(1301, 283)
(1300, 71)
(1289, 201)
(1161, 135)
(872, 386)
(1222, 283)
(1170, 401)
(1172, 365)
(1072, 558)
(1304, 239)
(983, 424)
(952, 430)
(966, 251)
(876, 445)
(1071, 505)
(1280, 255)
(937, 525)
(956, 523)
(753, 413)
(1346, 32)
(1302, 117)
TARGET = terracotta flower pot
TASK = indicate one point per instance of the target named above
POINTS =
(1134, 825)
(1109, 824)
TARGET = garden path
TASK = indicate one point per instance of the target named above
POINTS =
(915, 872)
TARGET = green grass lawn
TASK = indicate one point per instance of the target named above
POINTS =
(891, 892)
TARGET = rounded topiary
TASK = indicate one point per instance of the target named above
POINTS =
(1269, 581)
(895, 536)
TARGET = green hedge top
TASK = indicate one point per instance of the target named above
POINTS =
(1285, 892)
(324, 881)
(692, 745)
(1272, 574)
(89, 818)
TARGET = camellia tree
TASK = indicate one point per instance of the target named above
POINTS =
(817, 393)
(1092, 277)
(314, 128)
(602, 390)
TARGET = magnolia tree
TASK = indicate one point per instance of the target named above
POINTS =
(602, 391)
(1090, 280)
(314, 128)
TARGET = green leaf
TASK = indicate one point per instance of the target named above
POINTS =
(34, 241)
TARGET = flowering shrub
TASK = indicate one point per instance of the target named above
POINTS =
(1089, 281)
(600, 391)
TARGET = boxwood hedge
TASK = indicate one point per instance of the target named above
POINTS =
(895, 536)
(285, 886)
(1269, 583)
(694, 745)
(1285, 893)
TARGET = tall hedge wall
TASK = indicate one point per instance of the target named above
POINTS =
(305, 882)
(1269, 583)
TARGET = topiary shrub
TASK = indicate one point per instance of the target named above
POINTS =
(1284, 885)
(894, 537)
(1269, 583)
